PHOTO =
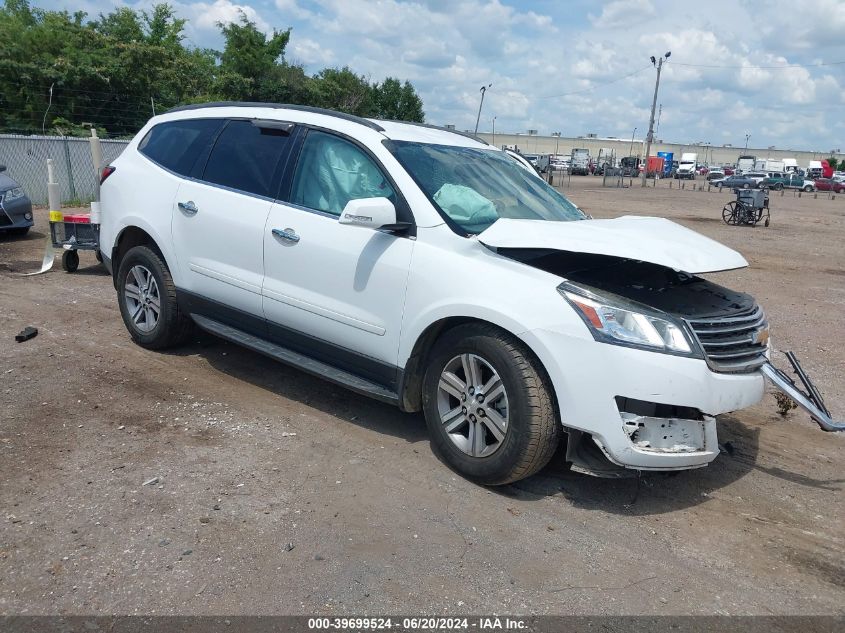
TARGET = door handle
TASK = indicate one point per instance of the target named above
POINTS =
(286, 234)
(188, 207)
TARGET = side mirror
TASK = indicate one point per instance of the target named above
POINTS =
(373, 213)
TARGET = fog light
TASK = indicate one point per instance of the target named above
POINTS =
(27, 215)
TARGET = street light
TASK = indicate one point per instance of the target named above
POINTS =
(747, 136)
(631, 148)
(659, 64)
(478, 118)
(494, 131)
(557, 141)
(659, 113)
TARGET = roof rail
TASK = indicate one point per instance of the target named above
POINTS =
(302, 108)
(435, 127)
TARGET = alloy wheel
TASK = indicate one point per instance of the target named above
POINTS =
(473, 405)
(142, 298)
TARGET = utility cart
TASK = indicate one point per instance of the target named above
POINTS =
(73, 233)
(748, 208)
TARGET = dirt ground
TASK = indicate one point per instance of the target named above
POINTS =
(278, 493)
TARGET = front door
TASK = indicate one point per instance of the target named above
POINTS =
(335, 292)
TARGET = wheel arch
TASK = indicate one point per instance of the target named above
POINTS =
(129, 237)
(410, 385)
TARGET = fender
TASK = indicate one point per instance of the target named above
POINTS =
(163, 243)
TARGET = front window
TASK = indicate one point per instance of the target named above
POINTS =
(474, 187)
(332, 171)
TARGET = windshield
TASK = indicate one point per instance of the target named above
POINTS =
(474, 187)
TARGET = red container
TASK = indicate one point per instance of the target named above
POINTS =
(655, 165)
(79, 218)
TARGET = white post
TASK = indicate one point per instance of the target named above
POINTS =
(54, 200)
(97, 160)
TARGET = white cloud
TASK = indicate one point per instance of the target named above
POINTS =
(204, 16)
(308, 52)
(623, 14)
(290, 8)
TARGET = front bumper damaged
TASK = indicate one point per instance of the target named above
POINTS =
(811, 401)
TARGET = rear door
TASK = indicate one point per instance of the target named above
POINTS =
(336, 292)
(219, 218)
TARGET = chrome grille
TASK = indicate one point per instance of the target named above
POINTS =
(735, 343)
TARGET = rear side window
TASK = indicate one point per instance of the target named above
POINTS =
(177, 144)
(245, 157)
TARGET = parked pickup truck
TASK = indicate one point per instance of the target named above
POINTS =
(787, 181)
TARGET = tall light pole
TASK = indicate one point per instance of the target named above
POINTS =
(659, 64)
(747, 136)
(659, 112)
(478, 118)
(494, 131)
(631, 148)
(557, 141)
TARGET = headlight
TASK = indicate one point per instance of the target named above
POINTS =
(12, 194)
(623, 323)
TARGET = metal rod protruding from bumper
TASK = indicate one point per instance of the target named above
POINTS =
(782, 382)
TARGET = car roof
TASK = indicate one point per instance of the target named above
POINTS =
(393, 130)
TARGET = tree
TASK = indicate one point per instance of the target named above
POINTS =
(249, 56)
(397, 101)
(287, 83)
(163, 28)
(833, 162)
(62, 70)
(341, 89)
(123, 24)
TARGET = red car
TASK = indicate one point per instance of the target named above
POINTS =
(729, 171)
(828, 184)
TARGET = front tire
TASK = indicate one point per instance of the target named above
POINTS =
(147, 298)
(489, 406)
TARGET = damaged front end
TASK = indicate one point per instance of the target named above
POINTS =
(811, 401)
(651, 307)
(665, 428)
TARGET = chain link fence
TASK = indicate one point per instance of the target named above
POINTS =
(25, 158)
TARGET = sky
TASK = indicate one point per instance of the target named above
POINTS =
(772, 69)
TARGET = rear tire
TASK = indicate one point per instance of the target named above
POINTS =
(147, 299)
(480, 447)
(808, 189)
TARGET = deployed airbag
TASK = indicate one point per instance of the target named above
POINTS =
(465, 205)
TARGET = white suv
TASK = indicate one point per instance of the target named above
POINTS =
(429, 270)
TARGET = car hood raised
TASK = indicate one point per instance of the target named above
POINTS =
(654, 240)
